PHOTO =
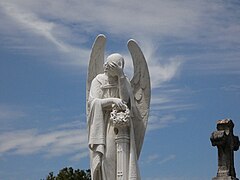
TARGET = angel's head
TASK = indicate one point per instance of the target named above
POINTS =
(114, 60)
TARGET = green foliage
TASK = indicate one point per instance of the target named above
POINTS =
(70, 174)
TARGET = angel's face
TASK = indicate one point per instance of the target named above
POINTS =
(114, 64)
(111, 68)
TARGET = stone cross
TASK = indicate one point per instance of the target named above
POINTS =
(226, 143)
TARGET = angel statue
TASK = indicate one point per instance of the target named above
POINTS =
(117, 112)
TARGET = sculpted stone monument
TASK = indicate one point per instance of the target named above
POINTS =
(117, 112)
(226, 143)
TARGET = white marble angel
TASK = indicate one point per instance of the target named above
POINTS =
(109, 94)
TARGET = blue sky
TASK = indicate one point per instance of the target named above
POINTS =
(192, 49)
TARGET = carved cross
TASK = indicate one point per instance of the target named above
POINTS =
(226, 143)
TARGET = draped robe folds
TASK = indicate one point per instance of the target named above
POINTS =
(101, 137)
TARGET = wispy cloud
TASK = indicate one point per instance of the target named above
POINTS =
(173, 107)
(231, 88)
(200, 27)
(156, 17)
(166, 103)
(201, 24)
(164, 73)
(167, 159)
(161, 70)
(80, 155)
(156, 158)
(171, 98)
(32, 23)
(72, 141)
(152, 157)
(159, 122)
(46, 29)
(10, 112)
(183, 19)
(219, 61)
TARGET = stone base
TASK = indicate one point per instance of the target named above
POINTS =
(225, 178)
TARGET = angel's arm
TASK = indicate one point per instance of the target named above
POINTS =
(96, 94)
(123, 88)
(123, 82)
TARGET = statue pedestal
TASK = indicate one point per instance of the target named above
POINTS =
(121, 122)
(122, 145)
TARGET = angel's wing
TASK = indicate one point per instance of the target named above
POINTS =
(141, 91)
(96, 61)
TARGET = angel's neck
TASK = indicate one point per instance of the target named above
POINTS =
(111, 79)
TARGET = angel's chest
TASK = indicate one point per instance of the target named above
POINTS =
(109, 88)
(110, 92)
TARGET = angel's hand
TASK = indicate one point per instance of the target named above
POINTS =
(118, 70)
(119, 103)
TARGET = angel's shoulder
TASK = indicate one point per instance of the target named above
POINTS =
(100, 78)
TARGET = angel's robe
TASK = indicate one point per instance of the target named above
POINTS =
(101, 137)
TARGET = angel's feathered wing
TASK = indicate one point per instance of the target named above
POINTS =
(141, 91)
(96, 61)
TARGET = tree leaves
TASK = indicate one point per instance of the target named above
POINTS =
(70, 174)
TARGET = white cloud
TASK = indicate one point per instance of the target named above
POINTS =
(152, 157)
(220, 61)
(10, 112)
(79, 156)
(155, 158)
(231, 88)
(156, 122)
(167, 159)
(163, 73)
(58, 142)
(200, 24)
(166, 103)
(150, 17)
(161, 70)
(30, 23)
(171, 99)
(173, 107)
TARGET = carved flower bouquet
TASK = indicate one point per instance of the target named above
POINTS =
(120, 117)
